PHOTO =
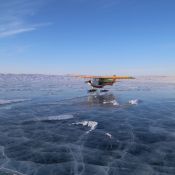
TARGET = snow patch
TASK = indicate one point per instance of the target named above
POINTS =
(58, 117)
(61, 117)
(134, 102)
(91, 124)
(4, 102)
(108, 135)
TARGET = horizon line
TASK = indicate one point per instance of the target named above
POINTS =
(75, 75)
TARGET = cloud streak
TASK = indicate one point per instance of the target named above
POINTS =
(15, 31)
(14, 16)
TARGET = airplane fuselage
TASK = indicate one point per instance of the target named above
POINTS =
(100, 83)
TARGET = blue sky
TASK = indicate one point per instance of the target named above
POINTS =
(133, 37)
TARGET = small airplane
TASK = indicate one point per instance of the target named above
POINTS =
(98, 82)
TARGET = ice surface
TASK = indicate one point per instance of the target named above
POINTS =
(38, 137)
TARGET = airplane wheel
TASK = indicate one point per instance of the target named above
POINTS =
(103, 90)
(92, 90)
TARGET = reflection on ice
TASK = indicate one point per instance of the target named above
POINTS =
(107, 98)
(114, 102)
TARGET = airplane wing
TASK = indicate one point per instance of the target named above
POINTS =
(105, 77)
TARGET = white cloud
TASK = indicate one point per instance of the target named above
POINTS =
(15, 31)
(14, 16)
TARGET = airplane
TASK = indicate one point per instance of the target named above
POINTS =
(98, 82)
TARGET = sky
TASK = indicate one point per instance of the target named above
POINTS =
(100, 37)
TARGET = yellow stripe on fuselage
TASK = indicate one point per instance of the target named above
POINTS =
(106, 77)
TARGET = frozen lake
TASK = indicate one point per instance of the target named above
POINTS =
(50, 125)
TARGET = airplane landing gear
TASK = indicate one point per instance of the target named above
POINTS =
(104, 90)
(92, 90)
